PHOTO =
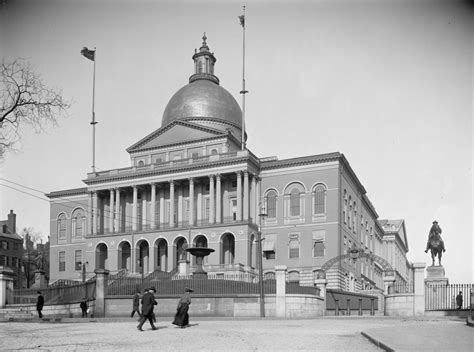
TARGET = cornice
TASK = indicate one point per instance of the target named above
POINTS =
(305, 160)
(67, 192)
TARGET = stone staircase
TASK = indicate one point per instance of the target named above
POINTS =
(16, 314)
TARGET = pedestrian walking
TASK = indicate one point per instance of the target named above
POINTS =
(459, 300)
(84, 309)
(39, 304)
(181, 318)
(148, 304)
(136, 305)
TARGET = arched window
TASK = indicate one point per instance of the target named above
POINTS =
(271, 204)
(295, 202)
(141, 163)
(294, 277)
(61, 226)
(78, 224)
(319, 199)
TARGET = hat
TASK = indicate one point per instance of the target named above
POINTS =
(435, 222)
(152, 288)
(187, 289)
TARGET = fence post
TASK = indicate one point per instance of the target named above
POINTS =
(336, 302)
(419, 289)
(280, 299)
(348, 309)
(6, 286)
(372, 306)
(100, 292)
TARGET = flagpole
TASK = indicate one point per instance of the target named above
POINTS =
(93, 122)
(243, 91)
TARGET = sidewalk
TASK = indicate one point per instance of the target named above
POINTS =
(424, 335)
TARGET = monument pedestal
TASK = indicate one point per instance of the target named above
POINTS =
(436, 283)
(183, 267)
(435, 275)
(40, 279)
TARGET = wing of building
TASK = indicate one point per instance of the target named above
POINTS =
(190, 184)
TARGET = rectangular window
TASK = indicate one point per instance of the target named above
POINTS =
(268, 246)
(318, 243)
(294, 203)
(294, 246)
(3, 260)
(77, 260)
(233, 208)
(195, 155)
(4, 245)
(62, 261)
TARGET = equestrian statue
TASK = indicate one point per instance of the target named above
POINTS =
(435, 243)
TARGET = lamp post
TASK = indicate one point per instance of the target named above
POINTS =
(261, 216)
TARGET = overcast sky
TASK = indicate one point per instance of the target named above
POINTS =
(387, 83)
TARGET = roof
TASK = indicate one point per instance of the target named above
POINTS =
(395, 227)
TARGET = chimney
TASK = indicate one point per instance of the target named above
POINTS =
(12, 222)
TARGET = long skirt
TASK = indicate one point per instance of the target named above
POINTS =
(181, 318)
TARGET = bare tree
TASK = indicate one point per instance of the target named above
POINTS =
(35, 254)
(25, 101)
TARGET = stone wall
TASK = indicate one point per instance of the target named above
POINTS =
(56, 310)
(400, 304)
(297, 306)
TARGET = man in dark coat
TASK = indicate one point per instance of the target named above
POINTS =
(39, 304)
(136, 304)
(459, 300)
(83, 306)
(148, 303)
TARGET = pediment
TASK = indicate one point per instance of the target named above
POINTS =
(175, 133)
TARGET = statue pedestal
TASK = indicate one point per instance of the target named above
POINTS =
(435, 275)
(183, 267)
(436, 283)
(40, 279)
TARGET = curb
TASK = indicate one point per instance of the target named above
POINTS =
(377, 343)
(469, 322)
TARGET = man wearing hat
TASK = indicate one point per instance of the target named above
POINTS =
(39, 304)
(181, 317)
(148, 303)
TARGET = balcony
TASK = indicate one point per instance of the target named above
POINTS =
(165, 166)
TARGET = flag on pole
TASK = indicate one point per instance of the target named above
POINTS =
(242, 20)
(89, 54)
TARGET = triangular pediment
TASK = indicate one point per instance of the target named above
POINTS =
(176, 132)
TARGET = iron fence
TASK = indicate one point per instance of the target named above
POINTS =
(401, 287)
(60, 293)
(443, 297)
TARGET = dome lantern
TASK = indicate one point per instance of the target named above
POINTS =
(204, 62)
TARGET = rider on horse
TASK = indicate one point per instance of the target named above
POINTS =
(435, 230)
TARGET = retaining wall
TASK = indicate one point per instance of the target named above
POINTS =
(400, 304)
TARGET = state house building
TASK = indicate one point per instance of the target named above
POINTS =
(190, 183)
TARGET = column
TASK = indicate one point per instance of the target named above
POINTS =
(100, 292)
(246, 195)
(253, 184)
(162, 207)
(280, 297)
(171, 203)
(199, 204)
(218, 199)
(419, 289)
(134, 208)
(258, 202)
(94, 213)
(117, 210)
(239, 196)
(191, 201)
(152, 206)
(212, 208)
(91, 215)
(180, 206)
(111, 211)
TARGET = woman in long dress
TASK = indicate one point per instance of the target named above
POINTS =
(181, 318)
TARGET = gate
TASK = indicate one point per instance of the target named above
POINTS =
(443, 297)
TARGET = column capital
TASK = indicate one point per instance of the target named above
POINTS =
(171, 182)
(191, 179)
(152, 184)
(239, 173)
(246, 172)
(218, 176)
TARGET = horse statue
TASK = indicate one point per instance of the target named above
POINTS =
(435, 243)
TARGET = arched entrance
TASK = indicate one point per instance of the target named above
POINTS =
(199, 241)
(161, 254)
(101, 253)
(181, 244)
(124, 256)
(228, 249)
(143, 257)
(355, 254)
